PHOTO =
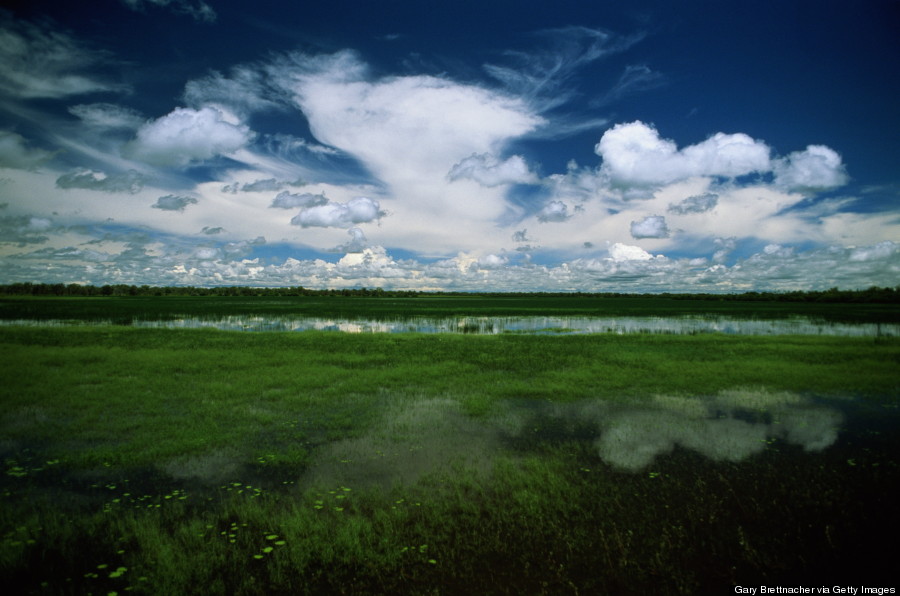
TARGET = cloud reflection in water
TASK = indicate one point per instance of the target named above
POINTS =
(731, 426)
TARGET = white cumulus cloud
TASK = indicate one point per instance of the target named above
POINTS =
(554, 211)
(357, 243)
(186, 135)
(634, 155)
(358, 210)
(408, 132)
(881, 251)
(401, 127)
(817, 168)
(492, 261)
(653, 226)
(626, 252)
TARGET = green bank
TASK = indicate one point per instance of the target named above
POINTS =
(163, 461)
(854, 307)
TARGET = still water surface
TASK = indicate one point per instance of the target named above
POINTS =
(682, 325)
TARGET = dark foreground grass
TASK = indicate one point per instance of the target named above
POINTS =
(203, 462)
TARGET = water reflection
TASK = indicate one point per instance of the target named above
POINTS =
(632, 440)
(425, 436)
(519, 324)
(730, 426)
(411, 439)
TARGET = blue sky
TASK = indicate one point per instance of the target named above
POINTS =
(492, 145)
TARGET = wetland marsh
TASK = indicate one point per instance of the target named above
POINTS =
(165, 460)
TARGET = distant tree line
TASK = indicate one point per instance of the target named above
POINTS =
(873, 294)
(30, 289)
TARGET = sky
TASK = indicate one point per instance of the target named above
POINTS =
(462, 146)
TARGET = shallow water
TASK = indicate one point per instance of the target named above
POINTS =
(781, 487)
(549, 325)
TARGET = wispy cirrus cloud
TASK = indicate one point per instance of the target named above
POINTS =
(44, 63)
(131, 181)
(107, 116)
(487, 170)
(635, 78)
(16, 152)
(246, 89)
(198, 9)
(544, 77)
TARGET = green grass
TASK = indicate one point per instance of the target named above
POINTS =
(142, 395)
(164, 461)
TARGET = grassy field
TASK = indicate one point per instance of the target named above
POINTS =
(203, 462)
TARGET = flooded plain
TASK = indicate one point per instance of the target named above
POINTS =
(408, 488)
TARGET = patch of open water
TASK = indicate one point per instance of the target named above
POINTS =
(786, 488)
(546, 325)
